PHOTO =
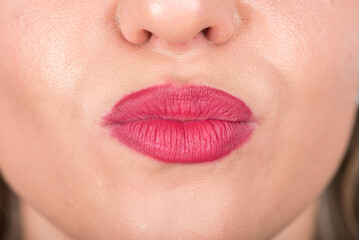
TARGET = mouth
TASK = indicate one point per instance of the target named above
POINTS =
(181, 124)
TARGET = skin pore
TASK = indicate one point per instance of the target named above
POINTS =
(65, 64)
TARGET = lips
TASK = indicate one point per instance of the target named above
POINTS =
(181, 123)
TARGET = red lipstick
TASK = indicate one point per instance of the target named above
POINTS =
(181, 123)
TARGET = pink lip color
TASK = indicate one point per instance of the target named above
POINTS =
(181, 124)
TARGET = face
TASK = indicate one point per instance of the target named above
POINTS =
(65, 64)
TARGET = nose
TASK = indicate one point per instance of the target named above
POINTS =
(177, 21)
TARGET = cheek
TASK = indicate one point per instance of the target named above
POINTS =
(45, 144)
(40, 67)
(324, 82)
(315, 47)
(317, 55)
(321, 107)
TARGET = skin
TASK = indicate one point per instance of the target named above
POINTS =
(65, 64)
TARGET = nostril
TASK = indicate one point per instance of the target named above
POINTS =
(141, 37)
(205, 31)
(176, 22)
(147, 34)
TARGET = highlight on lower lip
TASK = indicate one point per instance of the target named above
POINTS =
(181, 124)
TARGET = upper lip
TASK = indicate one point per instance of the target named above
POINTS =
(179, 102)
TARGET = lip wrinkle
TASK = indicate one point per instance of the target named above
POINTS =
(181, 124)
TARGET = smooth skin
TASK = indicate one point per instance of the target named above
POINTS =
(64, 64)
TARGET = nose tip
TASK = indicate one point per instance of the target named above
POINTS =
(177, 21)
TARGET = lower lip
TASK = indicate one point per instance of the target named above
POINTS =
(183, 142)
(178, 141)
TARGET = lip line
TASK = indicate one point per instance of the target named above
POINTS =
(105, 122)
